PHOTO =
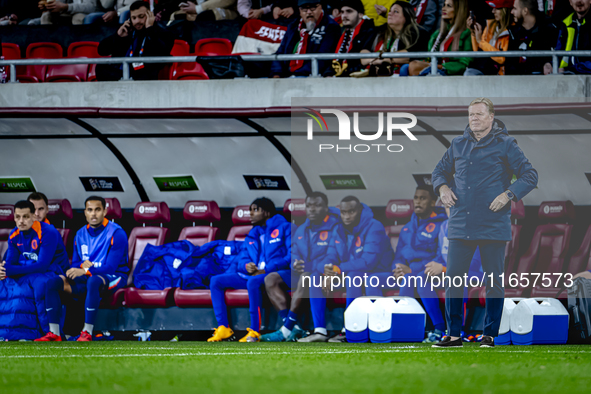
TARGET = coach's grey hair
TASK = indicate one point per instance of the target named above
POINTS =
(483, 100)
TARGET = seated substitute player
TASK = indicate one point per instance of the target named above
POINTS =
(34, 255)
(417, 248)
(267, 249)
(359, 245)
(309, 247)
(41, 204)
(99, 268)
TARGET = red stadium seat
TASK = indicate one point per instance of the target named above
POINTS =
(511, 251)
(31, 74)
(114, 301)
(581, 260)
(188, 71)
(91, 77)
(295, 208)
(192, 298)
(11, 51)
(113, 209)
(147, 213)
(6, 215)
(241, 220)
(237, 298)
(517, 213)
(67, 73)
(198, 235)
(202, 298)
(553, 244)
(337, 298)
(238, 233)
(60, 209)
(39, 50)
(137, 298)
(83, 49)
(45, 50)
(88, 49)
(200, 211)
(180, 48)
(398, 210)
(74, 72)
(213, 47)
(547, 250)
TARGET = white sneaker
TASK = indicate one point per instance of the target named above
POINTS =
(316, 337)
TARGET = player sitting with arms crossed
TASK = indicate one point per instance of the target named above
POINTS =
(99, 268)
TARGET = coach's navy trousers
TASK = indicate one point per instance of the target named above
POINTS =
(459, 257)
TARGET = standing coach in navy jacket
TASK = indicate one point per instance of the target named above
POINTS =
(474, 179)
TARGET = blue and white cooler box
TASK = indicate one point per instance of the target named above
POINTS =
(504, 337)
(537, 321)
(396, 319)
(357, 319)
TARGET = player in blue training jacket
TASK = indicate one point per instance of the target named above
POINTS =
(35, 254)
(309, 247)
(417, 249)
(41, 204)
(359, 246)
(99, 268)
(267, 249)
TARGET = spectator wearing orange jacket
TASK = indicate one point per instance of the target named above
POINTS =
(495, 37)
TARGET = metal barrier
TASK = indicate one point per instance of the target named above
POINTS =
(313, 57)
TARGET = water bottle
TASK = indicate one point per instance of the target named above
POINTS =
(3, 75)
(143, 335)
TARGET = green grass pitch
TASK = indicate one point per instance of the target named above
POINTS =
(183, 367)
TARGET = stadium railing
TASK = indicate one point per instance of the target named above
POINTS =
(313, 57)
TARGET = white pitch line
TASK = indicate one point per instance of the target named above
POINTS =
(252, 353)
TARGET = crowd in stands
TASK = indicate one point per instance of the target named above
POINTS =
(345, 26)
